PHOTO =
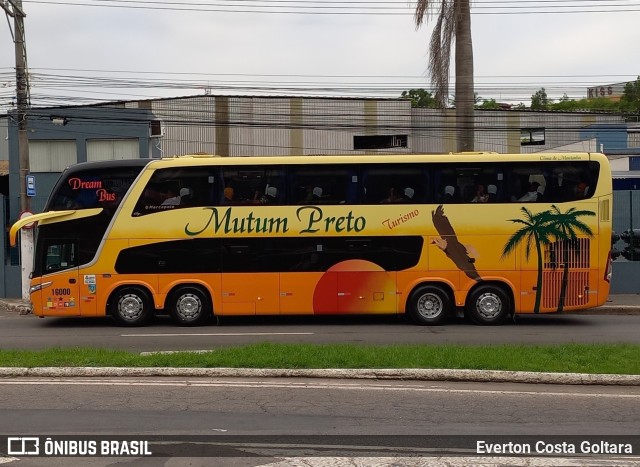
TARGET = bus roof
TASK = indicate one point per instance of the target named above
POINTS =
(96, 165)
(201, 159)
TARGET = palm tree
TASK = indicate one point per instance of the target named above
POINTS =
(567, 224)
(538, 228)
(453, 24)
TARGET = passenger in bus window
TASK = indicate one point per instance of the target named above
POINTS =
(407, 194)
(492, 193)
(172, 198)
(186, 197)
(316, 194)
(308, 195)
(228, 195)
(449, 192)
(481, 194)
(393, 197)
(531, 196)
(582, 190)
(270, 195)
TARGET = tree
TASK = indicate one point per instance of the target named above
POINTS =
(540, 101)
(420, 98)
(489, 104)
(453, 24)
(630, 100)
(537, 230)
(567, 223)
(596, 103)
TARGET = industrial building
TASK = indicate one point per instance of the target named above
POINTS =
(232, 126)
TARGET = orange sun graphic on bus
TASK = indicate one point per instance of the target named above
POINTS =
(342, 292)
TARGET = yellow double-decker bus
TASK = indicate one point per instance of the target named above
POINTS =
(429, 236)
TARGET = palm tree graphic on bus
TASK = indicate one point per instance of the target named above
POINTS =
(540, 229)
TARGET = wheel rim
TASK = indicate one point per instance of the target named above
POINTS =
(130, 307)
(188, 307)
(489, 305)
(429, 306)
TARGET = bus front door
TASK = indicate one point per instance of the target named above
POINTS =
(58, 293)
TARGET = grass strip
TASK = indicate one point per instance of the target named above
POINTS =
(570, 358)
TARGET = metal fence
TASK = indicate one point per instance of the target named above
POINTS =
(626, 242)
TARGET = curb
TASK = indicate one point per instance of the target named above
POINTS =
(23, 308)
(377, 374)
(605, 310)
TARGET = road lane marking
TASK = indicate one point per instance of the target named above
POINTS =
(297, 385)
(233, 334)
(453, 461)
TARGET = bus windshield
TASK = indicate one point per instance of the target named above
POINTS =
(92, 187)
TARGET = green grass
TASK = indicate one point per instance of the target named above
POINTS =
(572, 358)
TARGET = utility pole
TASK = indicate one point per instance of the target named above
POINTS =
(22, 94)
(22, 99)
(22, 103)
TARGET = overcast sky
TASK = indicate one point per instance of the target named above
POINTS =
(171, 52)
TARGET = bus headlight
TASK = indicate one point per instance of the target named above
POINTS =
(35, 288)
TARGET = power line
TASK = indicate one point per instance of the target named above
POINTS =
(345, 8)
(73, 87)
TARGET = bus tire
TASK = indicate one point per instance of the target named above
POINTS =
(131, 306)
(429, 305)
(189, 306)
(488, 305)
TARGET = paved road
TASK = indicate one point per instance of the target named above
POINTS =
(283, 407)
(29, 332)
(353, 412)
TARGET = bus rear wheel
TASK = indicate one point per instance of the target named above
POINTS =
(131, 306)
(189, 306)
(429, 305)
(488, 304)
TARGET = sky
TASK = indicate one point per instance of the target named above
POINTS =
(82, 51)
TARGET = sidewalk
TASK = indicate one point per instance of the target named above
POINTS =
(616, 304)
(15, 304)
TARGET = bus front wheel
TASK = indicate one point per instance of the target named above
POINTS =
(489, 305)
(429, 305)
(189, 306)
(131, 306)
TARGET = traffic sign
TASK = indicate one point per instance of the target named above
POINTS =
(30, 225)
(31, 185)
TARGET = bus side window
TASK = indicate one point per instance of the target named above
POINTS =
(528, 182)
(392, 184)
(320, 184)
(573, 181)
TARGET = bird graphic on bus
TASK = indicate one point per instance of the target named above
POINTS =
(463, 256)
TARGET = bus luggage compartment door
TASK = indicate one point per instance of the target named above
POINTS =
(366, 292)
(250, 294)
